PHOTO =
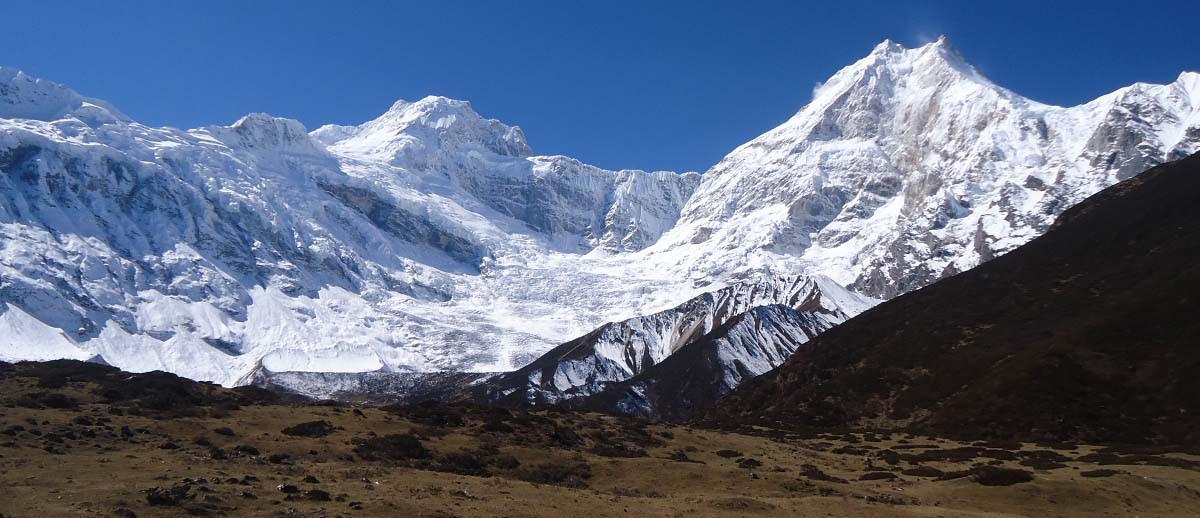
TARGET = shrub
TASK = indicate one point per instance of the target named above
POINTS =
(572, 474)
(318, 495)
(924, 471)
(47, 400)
(814, 473)
(391, 447)
(246, 449)
(430, 413)
(171, 496)
(878, 475)
(994, 476)
(617, 450)
(1099, 473)
(463, 463)
(506, 462)
(749, 463)
(310, 429)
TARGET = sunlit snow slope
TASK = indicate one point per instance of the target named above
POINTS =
(432, 238)
(909, 165)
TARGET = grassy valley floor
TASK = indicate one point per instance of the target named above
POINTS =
(85, 440)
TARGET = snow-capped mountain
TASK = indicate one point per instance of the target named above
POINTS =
(427, 239)
(432, 239)
(619, 351)
(909, 165)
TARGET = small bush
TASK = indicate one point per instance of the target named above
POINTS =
(463, 463)
(168, 497)
(878, 475)
(729, 454)
(923, 471)
(318, 495)
(506, 462)
(1043, 464)
(391, 447)
(431, 413)
(246, 449)
(994, 476)
(310, 429)
(571, 475)
(47, 400)
(749, 463)
(1099, 473)
(814, 473)
(617, 450)
(682, 456)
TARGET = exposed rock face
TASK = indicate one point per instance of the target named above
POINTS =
(690, 381)
(619, 351)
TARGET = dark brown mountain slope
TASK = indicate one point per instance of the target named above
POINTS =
(1088, 333)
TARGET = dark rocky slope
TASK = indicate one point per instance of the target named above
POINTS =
(690, 381)
(1088, 333)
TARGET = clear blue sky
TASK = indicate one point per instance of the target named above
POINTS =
(652, 85)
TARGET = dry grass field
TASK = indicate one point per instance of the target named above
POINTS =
(82, 440)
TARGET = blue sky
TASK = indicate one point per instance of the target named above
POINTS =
(651, 85)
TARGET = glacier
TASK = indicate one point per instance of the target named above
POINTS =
(434, 239)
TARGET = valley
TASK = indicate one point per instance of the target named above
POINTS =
(86, 440)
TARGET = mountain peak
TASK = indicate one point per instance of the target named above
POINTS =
(922, 58)
(431, 104)
(887, 46)
(1189, 81)
(434, 121)
(264, 131)
(892, 71)
(890, 46)
(26, 97)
